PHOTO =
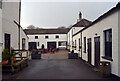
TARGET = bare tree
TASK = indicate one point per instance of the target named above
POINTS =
(31, 27)
(61, 27)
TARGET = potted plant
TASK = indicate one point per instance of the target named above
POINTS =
(36, 54)
(5, 56)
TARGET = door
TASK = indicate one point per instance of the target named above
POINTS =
(97, 51)
(32, 45)
(51, 45)
(89, 50)
(7, 41)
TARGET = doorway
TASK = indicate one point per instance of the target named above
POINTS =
(97, 51)
(7, 41)
(51, 45)
(32, 45)
(89, 50)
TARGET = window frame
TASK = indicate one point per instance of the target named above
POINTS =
(108, 55)
(23, 43)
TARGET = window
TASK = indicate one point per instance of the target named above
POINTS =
(36, 37)
(84, 44)
(79, 44)
(46, 37)
(62, 43)
(75, 45)
(57, 36)
(108, 43)
(23, 43)
(37, 43)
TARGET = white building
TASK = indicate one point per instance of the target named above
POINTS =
(100, 41)
(10, 30)
(81, 23)
(56, 38)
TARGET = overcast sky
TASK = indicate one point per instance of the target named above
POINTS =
(56, 14)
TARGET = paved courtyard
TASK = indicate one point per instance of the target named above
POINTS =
(53, 66)
(62, 54)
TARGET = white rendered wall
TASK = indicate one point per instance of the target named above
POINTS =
(10, 12)
(71, 32)
(41, 39)
(77, 37)
(106, 23)
(76, 29)
(23, 35)
(69, 39)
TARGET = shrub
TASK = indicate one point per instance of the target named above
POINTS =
(5, 54)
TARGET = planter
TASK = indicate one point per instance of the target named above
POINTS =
(14, 59)
(72, 56)
(36, 56)
(4, 62)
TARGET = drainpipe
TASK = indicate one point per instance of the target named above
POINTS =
(81, 45)
(19, 25)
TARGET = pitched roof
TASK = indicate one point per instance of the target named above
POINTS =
(101, 17)
(47, 31)
(82, 23)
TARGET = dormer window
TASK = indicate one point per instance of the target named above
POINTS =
(46, 37)
(57, 37)
(36, 37)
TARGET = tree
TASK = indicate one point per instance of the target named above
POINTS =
(31, 27)
(61, 27)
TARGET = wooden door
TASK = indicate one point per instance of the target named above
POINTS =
(51, 45)
(89, 50)
(32, 45)
(7, 41)
(97, 51)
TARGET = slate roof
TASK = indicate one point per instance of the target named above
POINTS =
(82, 23)
(46, 31)
(101, 17)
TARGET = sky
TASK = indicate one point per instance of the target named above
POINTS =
(57, 14)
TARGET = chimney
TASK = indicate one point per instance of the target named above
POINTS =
(80, 16)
